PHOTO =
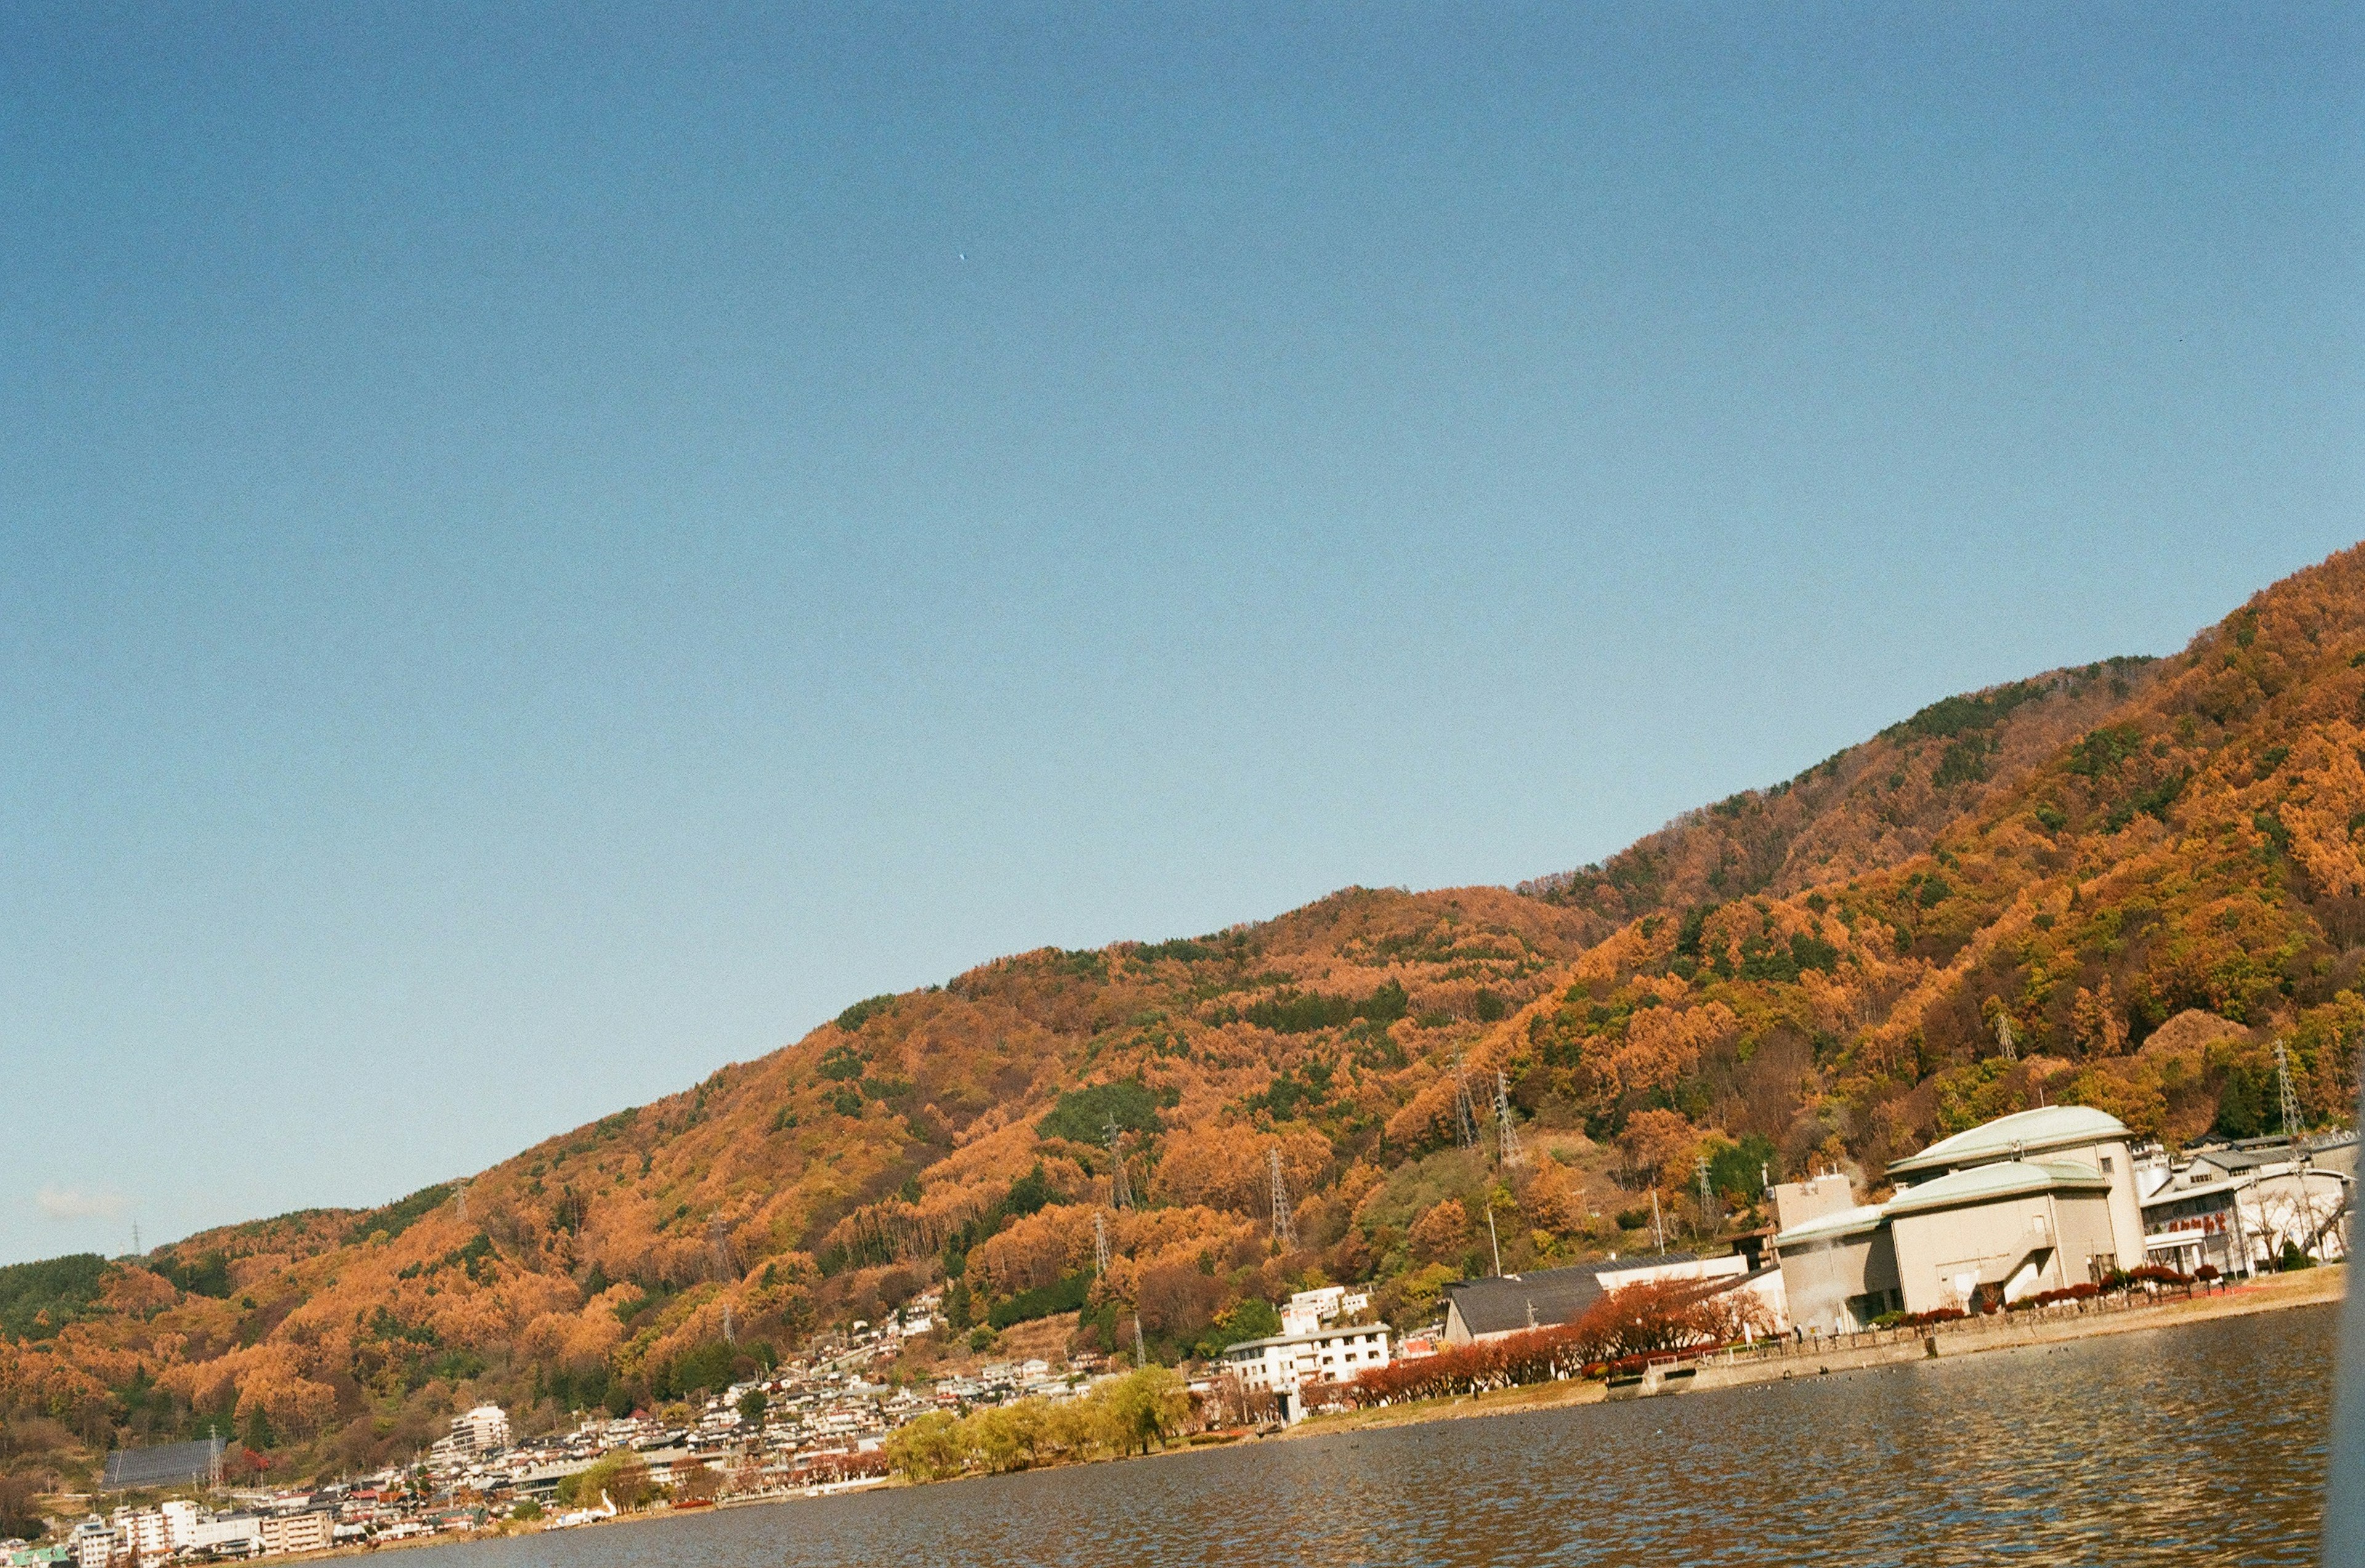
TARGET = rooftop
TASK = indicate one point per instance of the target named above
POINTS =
(2242, 1157)
(2171, 1192)
(1833, 1226)
(1986, 1183)
(1541, 1298)
(1337, 1331)
(2023, 1132)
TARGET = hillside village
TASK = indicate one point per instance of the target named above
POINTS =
(1749, 1055)
(2049, 1208)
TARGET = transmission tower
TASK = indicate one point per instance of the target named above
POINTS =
(2006, 1045)
(1099, 1242)
(719, 1257)
(1285, 1229)
(1507, 1136)
(2291, 1125)
(1708, 1198)
(463, 1197)
(1141, 1356)
(1120, 1189)
(1466, 1110)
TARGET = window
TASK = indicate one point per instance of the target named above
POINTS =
(2106, 1165)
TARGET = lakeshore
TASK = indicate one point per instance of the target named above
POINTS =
(1813, 1361)
(2273, 1293)
(2216, 1444)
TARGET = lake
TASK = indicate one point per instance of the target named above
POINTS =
(2192, 1445)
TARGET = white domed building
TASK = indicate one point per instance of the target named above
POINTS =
(2040, 1200)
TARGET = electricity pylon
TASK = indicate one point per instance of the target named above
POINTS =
(1120, 1189)
(1466, 1110)
(2290, 1096)
(1284, 1227)
(1507, 1137)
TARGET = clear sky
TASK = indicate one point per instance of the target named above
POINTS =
(542, 551)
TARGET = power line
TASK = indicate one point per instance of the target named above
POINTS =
(1507, 1136)
(1285, 1226)
(1466, 1110)
(1120, 1188)
(2290, 1096)
(719, 1256)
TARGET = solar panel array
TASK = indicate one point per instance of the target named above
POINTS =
(167, 1464)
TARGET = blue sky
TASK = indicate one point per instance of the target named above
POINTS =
(545, 550)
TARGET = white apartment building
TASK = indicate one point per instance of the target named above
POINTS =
(93, 1544)
(481, 1430)
(228, 1534)
(1319, 1355)
(298, 1532)
(1308, 1310)
(140, 1535)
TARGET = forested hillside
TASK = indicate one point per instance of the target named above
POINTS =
(2142, 872)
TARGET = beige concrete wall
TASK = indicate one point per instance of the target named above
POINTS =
(1796, 1203)
(2112, 1160)
(1942, 1258)
(1818, 1277)
(1990, 1243)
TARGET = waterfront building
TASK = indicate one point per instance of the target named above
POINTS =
(227, 1535)
(1323, 1355)
(2039, 1200)
(1839, 1268)
(2187, 1225)
(2002, 1231)
(1546, 1299)
(2050, 1134)
(307, 1531)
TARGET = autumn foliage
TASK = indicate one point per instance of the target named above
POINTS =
(1654, 1319)
(2140, 873)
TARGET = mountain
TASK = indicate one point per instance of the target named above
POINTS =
(2139, 871)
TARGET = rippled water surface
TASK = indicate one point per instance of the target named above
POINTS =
(2192, 1445)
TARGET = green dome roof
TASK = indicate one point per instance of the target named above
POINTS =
(1831, 1227)
(2023, 1132)
(1986, 1183)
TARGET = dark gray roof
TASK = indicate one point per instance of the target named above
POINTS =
(2251, 1153)
(167, 1464)
(1541, 1298)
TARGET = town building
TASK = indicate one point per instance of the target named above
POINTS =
(93, 1544)
(1547, 1298)
(307, 1531)
(2050, 1134)
(485, 1430)
(2237, 1206)
(1308, 1310)
(1322, 1355)
(2190, 1223)
(2037, 1201)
